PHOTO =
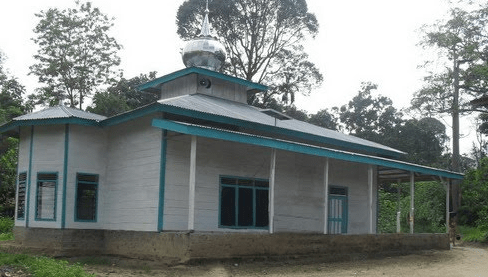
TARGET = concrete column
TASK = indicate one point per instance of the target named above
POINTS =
(192, 185)
(412, 196)
(370, 198)
(272, 190)
(326, 196)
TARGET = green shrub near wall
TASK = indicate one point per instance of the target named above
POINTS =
(430, 208)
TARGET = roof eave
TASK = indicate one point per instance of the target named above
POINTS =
(12, 125)
(153, 86)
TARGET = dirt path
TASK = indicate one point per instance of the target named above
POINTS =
(460, 261)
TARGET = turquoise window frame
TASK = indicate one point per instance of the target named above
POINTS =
(96, 196)
(345, 208)
(55, 206)
(236, 198)
(18, 196)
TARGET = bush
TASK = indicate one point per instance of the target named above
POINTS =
(473, 234)
(6, 225)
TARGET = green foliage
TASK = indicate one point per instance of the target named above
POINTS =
(460, 41)
(369, 117)
(473, 234)
(374, 118)
(8, 171)
(388, 211)
(6, 225)
(75, 55)
(11, 95)
(430, 208)
(263, 40)
(43, 266)
(474, 203)
(6, 228)
(423, 140)
(123, 96)
(325, 119)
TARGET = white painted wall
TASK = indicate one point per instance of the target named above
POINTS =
(354, 176)
(47, 156)
(87, 154)
(131, 187)
(23, 163)
(299, 201)
(299, 204)
(214, 158)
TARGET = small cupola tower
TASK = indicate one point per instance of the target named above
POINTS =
(204, 50)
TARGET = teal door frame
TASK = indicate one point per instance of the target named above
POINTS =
(338, 214)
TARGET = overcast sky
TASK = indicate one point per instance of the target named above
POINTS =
(358, 41)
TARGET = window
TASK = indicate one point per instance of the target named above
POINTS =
(46, 196)
(86, 197)
(243, 203)
(21, 195)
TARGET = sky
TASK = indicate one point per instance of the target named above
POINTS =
(358, 41)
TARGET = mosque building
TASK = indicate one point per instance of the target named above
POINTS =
(202, 174)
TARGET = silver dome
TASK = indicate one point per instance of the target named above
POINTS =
(205, 52)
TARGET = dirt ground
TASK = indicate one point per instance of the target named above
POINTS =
(465, 260)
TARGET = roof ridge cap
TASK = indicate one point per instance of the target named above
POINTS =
(65, 109)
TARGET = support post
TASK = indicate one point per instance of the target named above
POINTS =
(399, 211)
(370, 208)
(192, 185)
(326, 196)
(412, 207)
(272, 190)
(447, 205)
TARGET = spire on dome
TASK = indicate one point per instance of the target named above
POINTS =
(204, 51)
(205, 25)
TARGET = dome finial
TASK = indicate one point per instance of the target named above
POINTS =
(204, 51)
(205, 25)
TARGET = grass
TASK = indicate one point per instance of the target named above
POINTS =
(43, 266)
(37, 266)
(473, 234)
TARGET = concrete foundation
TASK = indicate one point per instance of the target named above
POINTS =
(182, 247)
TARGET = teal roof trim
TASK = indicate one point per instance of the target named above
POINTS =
(153, 85)
(130, 115)
(298, 148)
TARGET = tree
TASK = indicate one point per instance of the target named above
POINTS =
(461, 43)
(8, 177)
(76, 55)
(375, 118)
(324, 118)
(11, 105)
(263, 42)
(123, 96)
(423, 140)
(474, 206)
(368, 117)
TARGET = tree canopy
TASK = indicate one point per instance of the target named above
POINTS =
(123, 96)
(75, 56)
(263, 40)
(12, 104)
(369, 117)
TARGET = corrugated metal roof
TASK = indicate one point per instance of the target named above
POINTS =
(235, 110)
(60, 112)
